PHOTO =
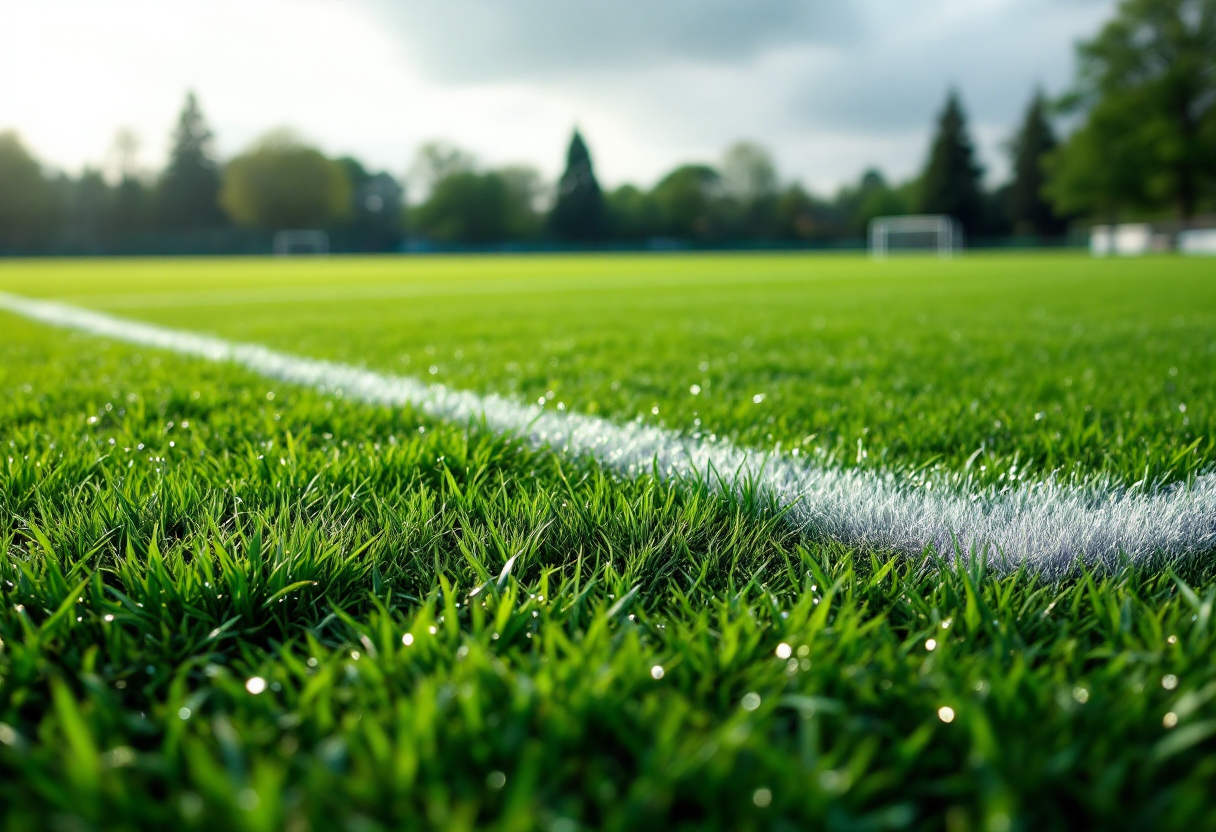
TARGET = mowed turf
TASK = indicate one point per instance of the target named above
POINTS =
(234, 604)
(1066, 362)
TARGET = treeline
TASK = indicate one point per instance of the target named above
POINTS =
(194, 203)
(1143, 145)
(280, 182)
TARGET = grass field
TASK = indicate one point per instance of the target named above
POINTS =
(232, 603)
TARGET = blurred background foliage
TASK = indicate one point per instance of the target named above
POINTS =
(282, 183)
(1135, 138)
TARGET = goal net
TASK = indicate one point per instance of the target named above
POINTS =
(919, 233)
(287, 243)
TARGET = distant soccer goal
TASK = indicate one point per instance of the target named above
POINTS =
(287, 243)
(914, 234)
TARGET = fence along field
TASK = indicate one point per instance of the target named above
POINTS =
(846, 685)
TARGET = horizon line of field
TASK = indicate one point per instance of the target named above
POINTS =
(391, 291)
(1047, 526)
(436, 286)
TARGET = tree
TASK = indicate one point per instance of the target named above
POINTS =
(687, 201)
(188, 191)
(282, 183)
(798, 215)
(633, 214)
(951, 182)
(1028, 208)
(434, 162)
(130, 209)
(871, 197)
(122, 159)
(748, 173)
(1147, 87)
(377, 200)
(89, 208)
(998, 215)
(879, 202)
(27, 198)
(356, 174)
(749, 183)
(525, 193)
(1099, 170)
(468, 207)
(465, 207)
(578, 213)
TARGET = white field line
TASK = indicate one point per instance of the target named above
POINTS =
(1047, 525)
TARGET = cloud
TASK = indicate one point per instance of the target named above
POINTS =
(830, 86)
(824, 84)
(477, 41)
(994, 51)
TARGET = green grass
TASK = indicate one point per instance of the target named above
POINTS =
(172, 532)
(1067, 362)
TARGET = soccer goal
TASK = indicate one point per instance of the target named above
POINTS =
(927, 232)
(287, 243)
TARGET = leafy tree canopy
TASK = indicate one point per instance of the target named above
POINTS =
(1147, 87)
(377, 202)
(687, 201)
(282, 183)
(749, 186)
(798, 215)
(526, 192)
(873, 196)
(633, 214)
(434, 162)
(748, 173)
(471, 208)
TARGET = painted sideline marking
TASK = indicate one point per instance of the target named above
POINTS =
(1047, 525)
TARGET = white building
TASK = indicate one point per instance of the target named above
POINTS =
(1133, 239)
(1198, 241)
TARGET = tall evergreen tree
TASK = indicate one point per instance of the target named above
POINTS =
(579, 211)
(951, 183)
(1029, 210)
(188, 192)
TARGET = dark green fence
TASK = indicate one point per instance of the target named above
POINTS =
(233, 241)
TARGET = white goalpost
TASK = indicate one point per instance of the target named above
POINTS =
(924, 232)
(301, 241)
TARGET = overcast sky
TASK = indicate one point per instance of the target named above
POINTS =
(829, 86)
